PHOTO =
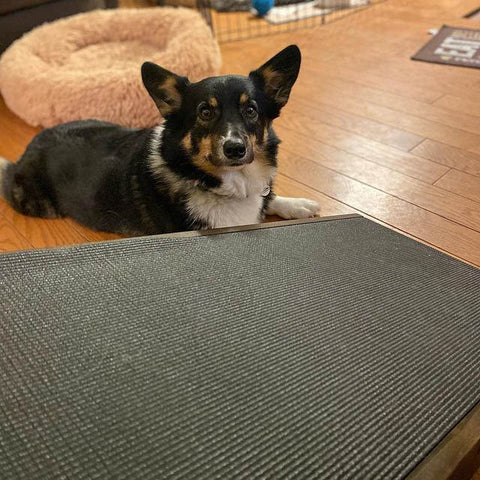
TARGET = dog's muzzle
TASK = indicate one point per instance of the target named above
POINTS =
(236, 151)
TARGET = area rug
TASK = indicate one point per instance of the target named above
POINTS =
(453, 46)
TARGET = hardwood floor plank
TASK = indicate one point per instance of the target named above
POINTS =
(460, 120)
(468, 103)
(391, 62)
(429, 197)
(390, 51)
(40, 232)
(10, 238)
(379, 132)
(462, 184)
(323, 63)
(429, 227)
(449, 156)
(420, 126)
(404, 87)
(14, 133)
(308, 121)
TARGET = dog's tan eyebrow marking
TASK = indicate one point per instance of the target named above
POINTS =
(243, 98)
(187, 141)
(213, 102)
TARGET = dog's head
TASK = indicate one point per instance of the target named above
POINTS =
(222, 122)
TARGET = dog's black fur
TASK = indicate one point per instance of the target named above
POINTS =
(132, 181)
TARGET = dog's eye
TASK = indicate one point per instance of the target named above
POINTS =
(205, 113)
(250, 112)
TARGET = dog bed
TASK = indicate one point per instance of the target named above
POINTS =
(88, 65)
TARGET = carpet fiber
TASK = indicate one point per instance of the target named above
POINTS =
(333, 350)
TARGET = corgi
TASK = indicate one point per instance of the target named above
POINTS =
(211, 162)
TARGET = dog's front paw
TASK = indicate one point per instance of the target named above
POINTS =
(300, 208)
(293, 207)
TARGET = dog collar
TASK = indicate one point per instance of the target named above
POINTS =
(266, 191)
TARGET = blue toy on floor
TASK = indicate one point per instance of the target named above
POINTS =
(262, 6)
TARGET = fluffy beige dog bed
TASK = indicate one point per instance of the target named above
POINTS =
(88, 65)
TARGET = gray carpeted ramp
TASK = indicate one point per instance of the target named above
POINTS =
(330, 350)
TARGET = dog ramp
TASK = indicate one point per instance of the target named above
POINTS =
(332, 349)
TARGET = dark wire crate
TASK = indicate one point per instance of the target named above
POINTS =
(232, 20)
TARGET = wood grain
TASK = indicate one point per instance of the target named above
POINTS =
(309, 124)
(14, 133)
(332, 86)
(434, 199)
(379, 132)
(469, 104)
(449, 156)
(462, 184)
(10, 238)
(405, 121)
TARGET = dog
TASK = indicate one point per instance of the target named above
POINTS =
(210, 164)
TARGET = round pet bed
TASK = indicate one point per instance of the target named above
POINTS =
(88, 65)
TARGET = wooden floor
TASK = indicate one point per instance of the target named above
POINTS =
(367, 129)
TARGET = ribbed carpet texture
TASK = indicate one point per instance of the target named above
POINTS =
(327, 350)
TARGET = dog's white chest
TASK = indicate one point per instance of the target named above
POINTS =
(225, 212)
(238, 201)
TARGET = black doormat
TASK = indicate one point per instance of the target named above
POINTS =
(332, 349)
(453, 46)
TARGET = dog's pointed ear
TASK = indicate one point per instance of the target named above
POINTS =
(277, 76)
(164, 87)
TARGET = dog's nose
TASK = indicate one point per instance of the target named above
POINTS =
(234, 149)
